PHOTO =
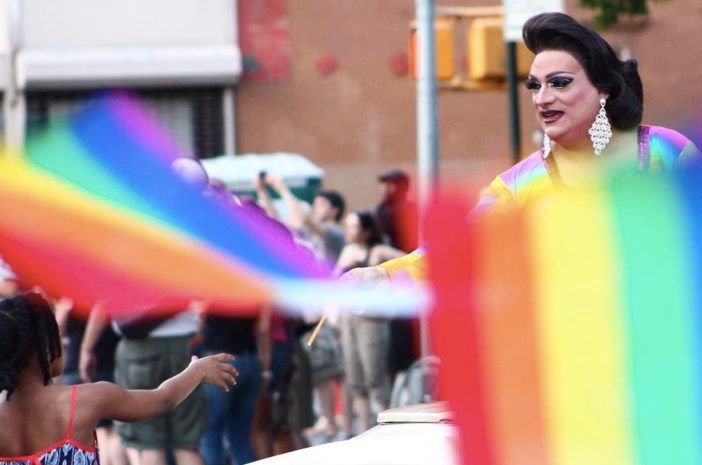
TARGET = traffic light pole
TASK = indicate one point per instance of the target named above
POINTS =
(427, 127)
(427, 131)
(514, 129)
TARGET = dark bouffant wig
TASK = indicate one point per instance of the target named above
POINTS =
(370, 224)
(27, 328)
(619, 79)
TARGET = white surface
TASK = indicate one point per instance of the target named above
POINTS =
(4, 71)
(95, 67)
(239, 171)
(518, 11)
(431, 440)
(389, 444)
(94, 43)
(70, 24)
(423, 413)
(9, 35)
(4, 42)
(4, 27)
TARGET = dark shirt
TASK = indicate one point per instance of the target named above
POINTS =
(231, 335)
(399, 221)
(104, 349)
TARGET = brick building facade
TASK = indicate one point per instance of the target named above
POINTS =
(341, 100)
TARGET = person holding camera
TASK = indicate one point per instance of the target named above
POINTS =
(320, 226)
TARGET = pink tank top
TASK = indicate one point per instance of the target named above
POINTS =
(65, 451)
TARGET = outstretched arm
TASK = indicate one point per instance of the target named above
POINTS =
(412, 264)
(495, 198)
(62, 311)
(111, 401)
(383, 253)
(299, 216)
(263, 198)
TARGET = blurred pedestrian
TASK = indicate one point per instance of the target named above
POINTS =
(397, 214)
(272, 433)
(398, 217)
(319, 226)
(365, 340)
(231, 413)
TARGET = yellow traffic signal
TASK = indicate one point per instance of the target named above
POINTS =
(486, 51)
(443, 33)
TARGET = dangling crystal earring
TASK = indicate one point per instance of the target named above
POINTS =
(547, 146)
(600, 131)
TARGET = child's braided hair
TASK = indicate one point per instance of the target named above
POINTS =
(27, 327)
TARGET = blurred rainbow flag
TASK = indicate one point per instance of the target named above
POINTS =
(94, 212)
(580, 325)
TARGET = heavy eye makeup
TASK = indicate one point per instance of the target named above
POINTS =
(557, 82)
(532, 84)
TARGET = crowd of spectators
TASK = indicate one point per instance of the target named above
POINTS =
(288, 395)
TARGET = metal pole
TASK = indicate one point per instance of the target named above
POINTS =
(229, 109)
(14, 102)
(427, 128)
(514, 129)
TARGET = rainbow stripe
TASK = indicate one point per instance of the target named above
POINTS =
(581, 322)
(93, 211)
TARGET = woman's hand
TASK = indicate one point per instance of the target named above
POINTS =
(216, 370)
(275, 181)
(367, 275)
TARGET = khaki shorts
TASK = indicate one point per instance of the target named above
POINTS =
(145, 364)
(365, 343)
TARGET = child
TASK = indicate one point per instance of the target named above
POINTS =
(47, 424)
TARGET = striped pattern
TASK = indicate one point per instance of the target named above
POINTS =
(578, 322)
(93, 211)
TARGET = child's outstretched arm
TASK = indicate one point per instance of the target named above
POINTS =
(112, 401)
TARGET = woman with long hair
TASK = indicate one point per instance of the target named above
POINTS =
(365, 340)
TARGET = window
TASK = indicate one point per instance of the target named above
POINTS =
(193, 116)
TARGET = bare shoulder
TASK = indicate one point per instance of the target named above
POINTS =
(349, 255)
(98, 391)
(351, 248)
(93, 401)
(97, 397)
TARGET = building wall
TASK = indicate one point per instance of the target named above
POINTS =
(183, 54)
(359, 119)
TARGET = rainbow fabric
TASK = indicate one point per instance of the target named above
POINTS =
(580, 323)
(93, 211)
